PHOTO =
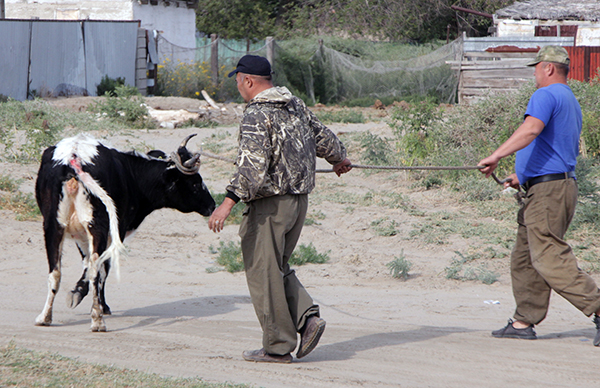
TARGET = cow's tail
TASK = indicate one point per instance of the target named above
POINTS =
(116, 247)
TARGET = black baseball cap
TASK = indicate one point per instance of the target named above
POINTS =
(253, 65)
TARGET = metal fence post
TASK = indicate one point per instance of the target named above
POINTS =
(270, 49)
(214, 59)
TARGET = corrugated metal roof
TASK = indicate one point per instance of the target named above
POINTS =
(588, 10)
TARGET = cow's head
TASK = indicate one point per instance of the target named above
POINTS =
(185, 190)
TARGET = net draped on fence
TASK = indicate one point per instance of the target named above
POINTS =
(323, 74)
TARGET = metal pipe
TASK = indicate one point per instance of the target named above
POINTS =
(487, 15)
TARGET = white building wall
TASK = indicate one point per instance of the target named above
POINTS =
(175, 24)
(69, 9)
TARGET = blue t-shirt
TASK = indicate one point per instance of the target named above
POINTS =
(555, 149)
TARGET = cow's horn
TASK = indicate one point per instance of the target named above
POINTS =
(185, 141)
(189, 167)
(191, 163)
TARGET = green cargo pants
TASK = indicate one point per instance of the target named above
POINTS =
(542, 261)
(270, 230)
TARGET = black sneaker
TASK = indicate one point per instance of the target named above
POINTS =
(509, 331)
(597, 337)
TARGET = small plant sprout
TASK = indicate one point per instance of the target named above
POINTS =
(399, 267)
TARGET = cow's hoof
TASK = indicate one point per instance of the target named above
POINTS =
(43, 320)
(99, 328)
(73, 299)
(106, 310)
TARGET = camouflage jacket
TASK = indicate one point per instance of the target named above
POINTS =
(279, 141)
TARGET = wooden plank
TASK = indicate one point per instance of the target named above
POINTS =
(486, 91)
(503, 62)
(494, 83)
(485, 54)
(498, 73)
(487, 67)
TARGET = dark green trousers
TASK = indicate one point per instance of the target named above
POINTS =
(270, 230)
(542, 261)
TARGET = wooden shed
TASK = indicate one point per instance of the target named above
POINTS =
(498, 63)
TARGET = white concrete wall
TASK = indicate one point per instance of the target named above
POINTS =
(69, 9)
(176, 24)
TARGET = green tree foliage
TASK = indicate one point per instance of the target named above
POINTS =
(394, 20)
(236, 19)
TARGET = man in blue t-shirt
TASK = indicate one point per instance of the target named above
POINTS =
(547, 144)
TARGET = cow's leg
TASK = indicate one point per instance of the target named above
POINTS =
(98, 242)
(76, 295)
(102, 275)
(54, 236)
(97, 313)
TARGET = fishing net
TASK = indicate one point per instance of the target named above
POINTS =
(318, 73)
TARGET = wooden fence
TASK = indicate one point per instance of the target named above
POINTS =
(502, 68)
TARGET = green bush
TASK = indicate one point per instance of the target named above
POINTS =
(126, 106)
(108, 85)
(411, 125)
(376, 150)
(189, 79)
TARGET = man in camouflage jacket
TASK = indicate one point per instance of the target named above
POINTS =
(279, 141)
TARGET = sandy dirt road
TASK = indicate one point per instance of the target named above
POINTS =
(172, 317)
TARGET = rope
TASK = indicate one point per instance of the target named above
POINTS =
(362, 166)
(409, 168)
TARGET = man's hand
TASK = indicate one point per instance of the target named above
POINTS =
(342, 167)
(512, 181)
(217, 219)
(490, 163)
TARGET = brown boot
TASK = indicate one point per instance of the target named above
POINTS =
(261, 355)
(310, 335)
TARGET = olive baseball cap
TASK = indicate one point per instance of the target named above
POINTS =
(253, 65)
(554, 54)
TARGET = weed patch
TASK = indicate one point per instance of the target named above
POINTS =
(126, 106)
(22, 204)
(307, 254)
(460, 269)
(230, 256)
(384, 227)
(399, 267)
(25, 368)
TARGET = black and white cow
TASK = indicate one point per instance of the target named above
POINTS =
(97, 195)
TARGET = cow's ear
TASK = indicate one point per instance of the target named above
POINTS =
(158, 154)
